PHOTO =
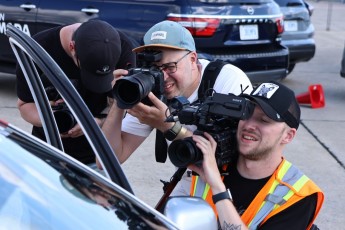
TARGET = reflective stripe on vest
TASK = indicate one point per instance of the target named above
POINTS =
(288, 181)
(202, 189)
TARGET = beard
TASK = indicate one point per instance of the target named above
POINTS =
(263, 151)
(257, 154)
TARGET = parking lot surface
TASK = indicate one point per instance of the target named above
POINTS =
(318, 148)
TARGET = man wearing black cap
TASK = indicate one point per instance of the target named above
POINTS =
(88, 53)
(261, 189)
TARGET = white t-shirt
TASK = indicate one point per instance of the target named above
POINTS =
(230, 80)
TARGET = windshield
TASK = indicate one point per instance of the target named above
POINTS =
(46, 194)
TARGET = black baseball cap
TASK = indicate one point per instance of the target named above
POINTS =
(278, 102)
(98, 48)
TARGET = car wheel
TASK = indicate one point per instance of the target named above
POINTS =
(290, 68)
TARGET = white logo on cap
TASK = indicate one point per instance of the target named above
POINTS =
(105, 69)
(266, 90)
(159, 35)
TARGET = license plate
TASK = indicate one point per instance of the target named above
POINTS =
(249, 32)
(290, 25)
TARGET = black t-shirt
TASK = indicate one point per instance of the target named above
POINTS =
(79, 147)
(244, 190)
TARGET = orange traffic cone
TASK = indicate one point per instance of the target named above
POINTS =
(314, 96)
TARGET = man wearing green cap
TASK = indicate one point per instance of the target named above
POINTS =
(183, 72)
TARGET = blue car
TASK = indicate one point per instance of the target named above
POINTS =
(246, 33)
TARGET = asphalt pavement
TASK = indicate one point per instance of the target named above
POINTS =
(318, 148)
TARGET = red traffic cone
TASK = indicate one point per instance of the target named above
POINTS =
(314, 96)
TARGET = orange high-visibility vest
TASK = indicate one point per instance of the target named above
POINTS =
(286, 186)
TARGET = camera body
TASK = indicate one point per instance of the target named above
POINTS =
(134, 88)
(63, 117)
(217, 115)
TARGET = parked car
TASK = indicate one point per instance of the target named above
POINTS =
(247, 33)
(44, 188)
(299, 31)
(342, 64)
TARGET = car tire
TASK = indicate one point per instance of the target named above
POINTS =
(291, 67)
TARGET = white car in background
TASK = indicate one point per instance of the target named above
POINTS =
(298, 33)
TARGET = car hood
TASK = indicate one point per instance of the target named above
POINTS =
(47, 192)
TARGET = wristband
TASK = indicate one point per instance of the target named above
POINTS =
(172, 133)
(182, 133)
(222, 196)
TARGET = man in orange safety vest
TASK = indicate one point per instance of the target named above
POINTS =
(260, 189)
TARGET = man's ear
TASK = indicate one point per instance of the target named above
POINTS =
(195, 61)
(71, 47)
(194, 57)
(290, 133)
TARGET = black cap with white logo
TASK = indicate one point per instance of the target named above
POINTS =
(98, 48)
(278, 102)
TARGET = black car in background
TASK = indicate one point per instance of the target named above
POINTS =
(247, 33)
(299, 31)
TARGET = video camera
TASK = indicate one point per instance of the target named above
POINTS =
(134, 88)
(218, 115)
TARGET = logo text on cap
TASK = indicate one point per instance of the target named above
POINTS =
(159, 35)
(105, 70)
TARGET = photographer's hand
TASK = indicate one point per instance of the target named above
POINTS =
(118, 73)
(227, 213)
(153, 116)
(209, 170)
(74, 132)
(55, 103)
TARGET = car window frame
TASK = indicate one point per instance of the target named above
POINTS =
(30, 56)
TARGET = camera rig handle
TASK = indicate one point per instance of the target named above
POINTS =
(169, 187)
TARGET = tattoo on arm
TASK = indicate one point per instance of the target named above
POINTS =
(228, 226)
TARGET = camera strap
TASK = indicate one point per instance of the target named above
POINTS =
(208, 79)
(161, 147)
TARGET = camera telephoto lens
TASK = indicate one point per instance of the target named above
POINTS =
(64, 120)
(184, 152)
(129, 91)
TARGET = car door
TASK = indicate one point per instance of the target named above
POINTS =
(21, 14)
(34, 60)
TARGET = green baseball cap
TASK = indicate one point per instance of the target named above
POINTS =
(168, 34)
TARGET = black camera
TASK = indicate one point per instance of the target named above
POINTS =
(63, 117)
(134, 88)
(218, 115)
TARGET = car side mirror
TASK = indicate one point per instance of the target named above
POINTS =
(190, 213)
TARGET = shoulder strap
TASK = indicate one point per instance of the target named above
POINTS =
(209, 77)
(161, 147)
